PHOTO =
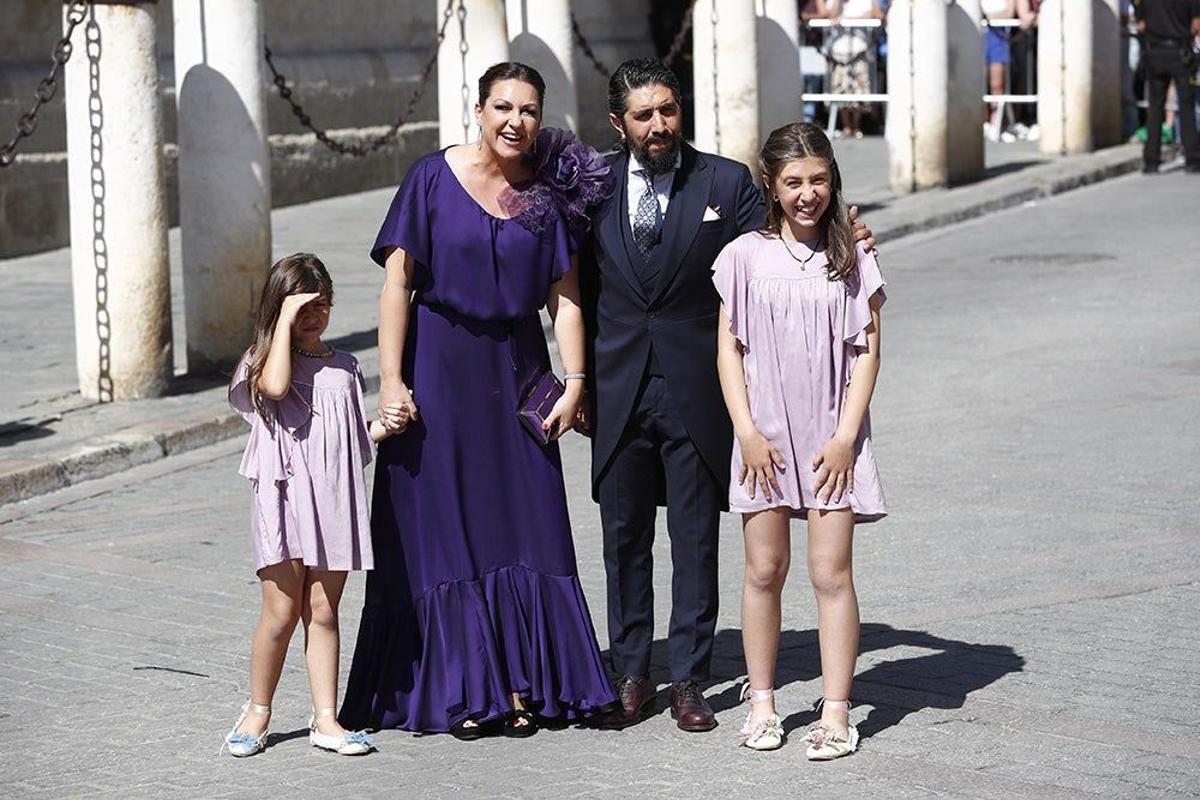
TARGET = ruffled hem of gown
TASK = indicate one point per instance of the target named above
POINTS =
(469, 644)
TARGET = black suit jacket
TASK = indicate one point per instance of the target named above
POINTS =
(678, 316)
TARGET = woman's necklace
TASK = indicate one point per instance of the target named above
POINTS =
(803, 262)
(303, 352)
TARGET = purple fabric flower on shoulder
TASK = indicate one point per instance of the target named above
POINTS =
(568, 177)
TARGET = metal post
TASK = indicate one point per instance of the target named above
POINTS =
(779, 80)
(541, 38)
(1079, 91)
(725, 64)
(224, 175)
(117, 190)
(476, 39)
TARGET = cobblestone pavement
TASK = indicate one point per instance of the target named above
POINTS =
(1030, 607)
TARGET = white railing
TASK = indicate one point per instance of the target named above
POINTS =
(835, 100)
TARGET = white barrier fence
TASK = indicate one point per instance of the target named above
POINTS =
(836, 100)
(815, 64)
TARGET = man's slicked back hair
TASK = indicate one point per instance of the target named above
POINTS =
(636, 73)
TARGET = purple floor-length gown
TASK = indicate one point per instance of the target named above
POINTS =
(475, 592)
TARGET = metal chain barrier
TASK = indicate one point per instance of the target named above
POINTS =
(464, 89)
(586, 48)
(47, 87)
(1062, 78)
(378, 142)
(669, 59)
(912, 96)
(104, 381)
(685, 28)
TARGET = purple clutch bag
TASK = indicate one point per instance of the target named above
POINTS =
(538, 405)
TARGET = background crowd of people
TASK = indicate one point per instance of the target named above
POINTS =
(844, 51)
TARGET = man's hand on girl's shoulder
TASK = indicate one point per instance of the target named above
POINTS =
(861, 232)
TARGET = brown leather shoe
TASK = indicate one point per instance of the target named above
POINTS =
(689, 708)
(636, 701)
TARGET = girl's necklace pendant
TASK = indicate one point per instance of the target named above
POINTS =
(803, 262)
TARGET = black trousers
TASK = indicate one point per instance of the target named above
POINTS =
(655, 447)
(1163, 66)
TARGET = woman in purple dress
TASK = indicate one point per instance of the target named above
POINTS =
(474, 612)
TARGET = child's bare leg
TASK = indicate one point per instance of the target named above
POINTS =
(855, 114)
(322, 594)
(282, 586)
(768, 555)
(830, 548)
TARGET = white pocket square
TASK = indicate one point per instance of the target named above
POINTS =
(711, 214)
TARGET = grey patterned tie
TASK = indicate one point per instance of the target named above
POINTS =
(648, 217)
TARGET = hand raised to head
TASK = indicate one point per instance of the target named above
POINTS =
(293, 303)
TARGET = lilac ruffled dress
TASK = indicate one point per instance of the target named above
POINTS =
(801, 334)
(306, 467)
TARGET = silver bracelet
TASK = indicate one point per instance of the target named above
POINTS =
(575, 376)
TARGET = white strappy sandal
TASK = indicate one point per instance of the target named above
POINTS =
(760, 733)
(824, 744)
(353, 743)
(243, 744)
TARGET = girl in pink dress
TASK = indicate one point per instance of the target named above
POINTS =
(309, 442)
(798, 355)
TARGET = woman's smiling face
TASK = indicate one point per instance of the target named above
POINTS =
(509, 117)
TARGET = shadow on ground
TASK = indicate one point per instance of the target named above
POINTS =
(942, 678)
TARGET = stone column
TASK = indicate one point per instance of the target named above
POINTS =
(935, 87)
(224, 175)
(1079, 91)
(725, 69)
(540, 32)
(779, 81)
(481, 24)
(966, 83)
(116, 184)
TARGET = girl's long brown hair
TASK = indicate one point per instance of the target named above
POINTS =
(294, 274)
(805, 140)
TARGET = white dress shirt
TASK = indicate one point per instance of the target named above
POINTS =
(637, 185)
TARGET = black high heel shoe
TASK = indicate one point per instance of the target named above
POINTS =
(520, 724)
(468, 733)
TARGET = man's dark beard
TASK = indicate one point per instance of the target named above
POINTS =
(656, 163)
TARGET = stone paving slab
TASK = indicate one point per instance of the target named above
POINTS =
(51, 438)
(1029, 607)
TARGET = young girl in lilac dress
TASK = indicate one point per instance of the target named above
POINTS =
(474, 620)
(798, 356)
(309, 442)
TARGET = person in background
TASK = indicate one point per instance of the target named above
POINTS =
(1169, 27)
(1023, 46)
(848, 50)
(998, 53)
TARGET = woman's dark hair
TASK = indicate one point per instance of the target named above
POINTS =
(636, 73)
(294, 274)
(510, 71)
(805, 140)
